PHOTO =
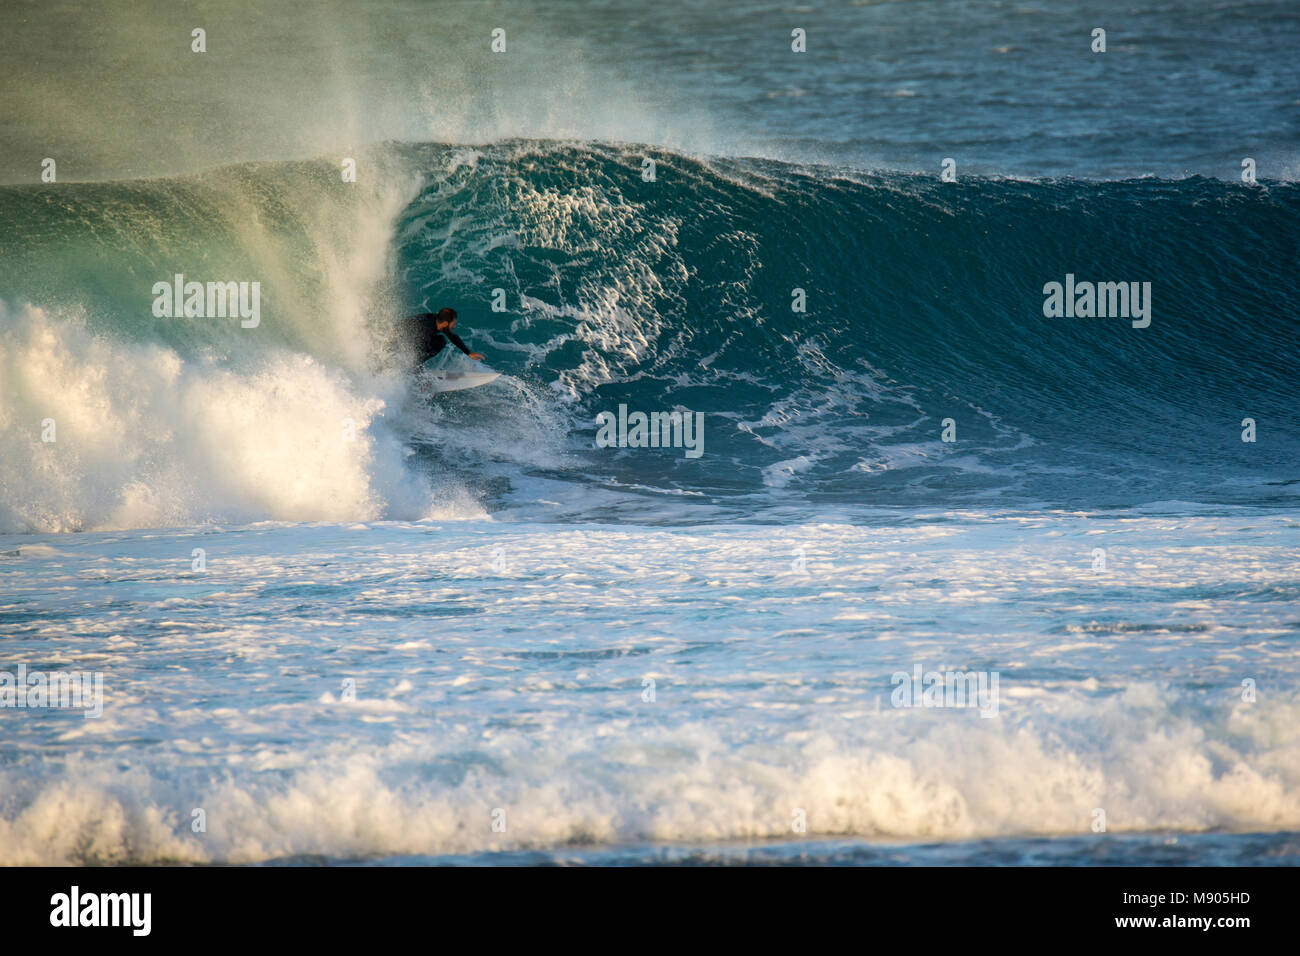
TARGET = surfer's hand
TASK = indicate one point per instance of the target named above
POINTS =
(476, 356)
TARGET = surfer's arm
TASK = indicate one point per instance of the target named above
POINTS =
(455, 340)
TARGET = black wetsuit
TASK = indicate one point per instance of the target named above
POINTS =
(425, 340)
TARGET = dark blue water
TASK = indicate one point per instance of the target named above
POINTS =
(924, 302)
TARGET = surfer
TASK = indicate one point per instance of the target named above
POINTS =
(429, 333)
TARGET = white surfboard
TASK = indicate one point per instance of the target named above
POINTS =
(451, 370)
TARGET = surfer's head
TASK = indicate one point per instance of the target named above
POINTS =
(445, 319)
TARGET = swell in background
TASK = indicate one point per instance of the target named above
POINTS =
(1005, 87)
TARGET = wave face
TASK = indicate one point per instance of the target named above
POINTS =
(924, 302)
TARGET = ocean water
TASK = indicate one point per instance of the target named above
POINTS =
(339, 620)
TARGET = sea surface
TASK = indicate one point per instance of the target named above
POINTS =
(340, 620)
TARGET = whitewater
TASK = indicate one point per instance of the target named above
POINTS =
(380, 690)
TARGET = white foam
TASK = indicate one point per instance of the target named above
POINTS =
(518, 686)
(897, 775)
(146, 438)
